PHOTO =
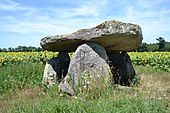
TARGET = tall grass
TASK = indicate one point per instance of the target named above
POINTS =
(24, 93)
(19, 76)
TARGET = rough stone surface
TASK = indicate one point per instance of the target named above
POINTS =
(56, 68)
(122, 68)
(90, 59)
(112, 35)
(66, 88)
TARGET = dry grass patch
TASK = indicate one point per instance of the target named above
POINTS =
(25, 96)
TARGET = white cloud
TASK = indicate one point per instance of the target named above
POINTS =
(89, 8)
(86, 8)
(154, 22)
(33, 27)
(150, 3)
(10, 5)
(54, 20)
(134, 14)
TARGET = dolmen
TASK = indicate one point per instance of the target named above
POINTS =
(99, 52)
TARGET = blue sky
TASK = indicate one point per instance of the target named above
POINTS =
(25, 22)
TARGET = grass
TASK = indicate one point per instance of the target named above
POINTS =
(19, 76)
(21, 91)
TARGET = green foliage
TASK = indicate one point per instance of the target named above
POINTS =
(22, 49)
(7, 58)
(20, 75)
(167, 46)
(22, 78)
(142, 48)
(161, 43)
(152, 47)
(119, 105)
(157, 60)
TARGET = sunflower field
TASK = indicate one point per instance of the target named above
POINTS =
(157, 60)
(17, 57)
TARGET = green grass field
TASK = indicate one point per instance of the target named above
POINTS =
(22, 91)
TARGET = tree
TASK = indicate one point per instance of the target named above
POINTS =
(167, 46)
(161, 43)
(18, 49)
(143, 47)
(22, 49)
(10, 49)
(152, 47)
(4, 50)
(39, 49)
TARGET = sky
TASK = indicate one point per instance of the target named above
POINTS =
(26, 22)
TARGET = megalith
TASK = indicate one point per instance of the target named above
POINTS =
(121, 68)
(56, 68)
(90, 46)
(89, 61)
(112, 35)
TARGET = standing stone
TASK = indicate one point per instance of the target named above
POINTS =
(122, 68)
(89, 59)
(56, 68)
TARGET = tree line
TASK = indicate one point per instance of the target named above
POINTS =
(162, 45)
(22, 49)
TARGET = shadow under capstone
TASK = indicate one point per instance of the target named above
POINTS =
(122, 68)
